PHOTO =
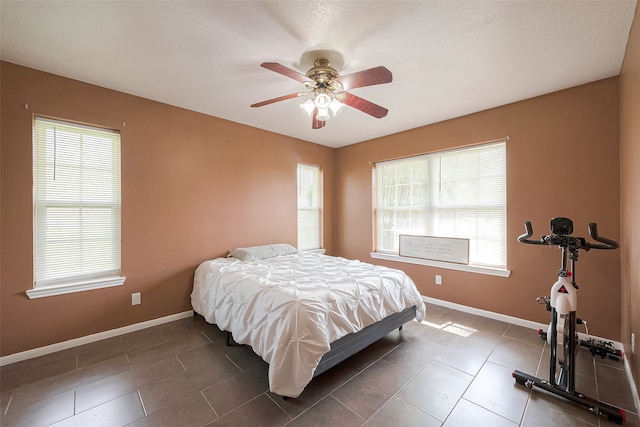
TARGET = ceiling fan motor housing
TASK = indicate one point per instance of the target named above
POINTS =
(322, 73)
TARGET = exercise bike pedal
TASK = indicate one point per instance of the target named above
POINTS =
(544, 300)
(602, 348)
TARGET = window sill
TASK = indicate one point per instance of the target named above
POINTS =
(450, 266)
(68, 288)
(314, 251)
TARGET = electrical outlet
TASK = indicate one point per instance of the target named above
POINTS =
(438, 279)
(633, 343)
(135, 298)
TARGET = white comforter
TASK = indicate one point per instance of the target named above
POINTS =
(290, 308)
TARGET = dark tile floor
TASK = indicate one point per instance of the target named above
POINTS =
(453, 369)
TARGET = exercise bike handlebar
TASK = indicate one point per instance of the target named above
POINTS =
(557, 239)
(606, 243)
(524, 238)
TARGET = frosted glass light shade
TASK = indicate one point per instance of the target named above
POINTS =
(308, 107)
(323, 114)
(336, 106)
(323, 101)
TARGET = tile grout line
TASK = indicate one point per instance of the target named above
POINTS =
(210, 405)
(8, 404)
(180, 362)
(234, 363)
(206, 336)
(267, 393)
(144, 409)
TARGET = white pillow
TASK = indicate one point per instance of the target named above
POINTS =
(253, 253)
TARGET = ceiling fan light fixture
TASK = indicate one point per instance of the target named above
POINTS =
(327, 88)
(323, 114)
(308, 107)
(336, 107)
(323, 101)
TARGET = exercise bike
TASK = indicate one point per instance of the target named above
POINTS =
(563, 303)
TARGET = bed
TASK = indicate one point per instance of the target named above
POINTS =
(302, 312)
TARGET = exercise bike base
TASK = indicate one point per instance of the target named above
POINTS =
(614, 414)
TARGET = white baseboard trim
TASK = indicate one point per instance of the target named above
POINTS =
(509, 319)
(41, 351)
(484, 313)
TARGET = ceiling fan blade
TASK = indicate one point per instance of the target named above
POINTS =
(365, 106)
(280, 98)
(317, 124)
(370, 77)
(285, 71)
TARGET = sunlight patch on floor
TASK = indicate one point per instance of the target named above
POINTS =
(454, 328)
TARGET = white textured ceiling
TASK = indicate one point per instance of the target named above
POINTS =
(448, 58)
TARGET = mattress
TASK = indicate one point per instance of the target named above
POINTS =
(290, 308)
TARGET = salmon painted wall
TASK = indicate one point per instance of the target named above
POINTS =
(193, 187)
(562, 160)
(630, 196)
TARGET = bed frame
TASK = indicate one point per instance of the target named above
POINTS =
(349, 345)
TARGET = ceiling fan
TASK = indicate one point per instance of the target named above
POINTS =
(329, 90)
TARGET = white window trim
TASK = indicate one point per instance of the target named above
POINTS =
(71, 287)
(476, 268)
(69, 284)
(314, 251)
(492, 271)
(318, 209)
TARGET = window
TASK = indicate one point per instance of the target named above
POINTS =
(309, 207)
(76, 176)
(459, 193)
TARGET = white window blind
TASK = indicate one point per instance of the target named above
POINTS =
(459, 193)
(76, 203)
(309, 207)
